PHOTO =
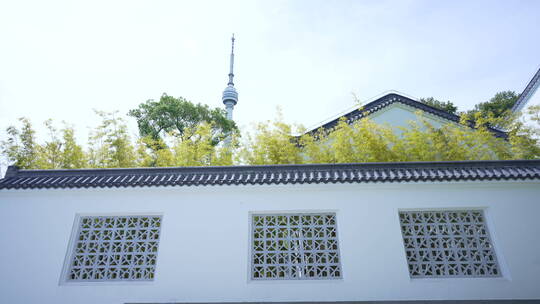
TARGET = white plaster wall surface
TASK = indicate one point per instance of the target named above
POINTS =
(400, 115)
(533, 101)
(204, 249)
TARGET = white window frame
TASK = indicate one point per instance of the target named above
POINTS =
(251, 279)
(488, 225)
(64, 276)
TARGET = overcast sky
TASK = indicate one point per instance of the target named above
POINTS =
(61, 59)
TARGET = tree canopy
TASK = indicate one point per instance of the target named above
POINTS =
(59, 151)
(111, 146)
(447, 106)
(499, 105)
(367, 141)
(174, 116)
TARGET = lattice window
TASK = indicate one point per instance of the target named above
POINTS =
(115, 248)
(448, 244)
(295, 246)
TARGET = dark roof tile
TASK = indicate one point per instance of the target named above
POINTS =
(527, 93)
(274, 174)
(391, 98)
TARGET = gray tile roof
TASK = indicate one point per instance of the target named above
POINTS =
(391, 98)
(274, 174)
(527, 93)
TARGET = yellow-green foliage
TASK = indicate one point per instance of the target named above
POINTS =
(193, 148)
(110, 144)
(61, 150)
(270, 142)
(367, 141)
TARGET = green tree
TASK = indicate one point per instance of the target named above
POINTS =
(73, 155)
(20, 147)
(61, 150)
(499, 105)
(525, 137)
(447, 106)
(50, 152)
(271, 143)
(196, 148)
(173, 116)
(367, 141)
(110, 145)
(153, 153)
(193, 148)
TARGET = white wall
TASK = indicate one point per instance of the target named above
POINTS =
(533, 101)
(204, 249)
(400, 115)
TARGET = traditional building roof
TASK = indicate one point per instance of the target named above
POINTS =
(527, 93)
(274, 174)
(390, 99)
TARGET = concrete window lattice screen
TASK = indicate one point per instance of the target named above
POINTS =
(448, 244)
(115, 248)
(295, 246)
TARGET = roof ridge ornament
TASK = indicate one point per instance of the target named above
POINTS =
(12, 171)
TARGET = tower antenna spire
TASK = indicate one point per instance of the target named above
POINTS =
(231, 67)
(230, 96)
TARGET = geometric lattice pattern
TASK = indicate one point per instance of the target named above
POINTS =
(295, 246)
(448, 244)
(115, 248)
